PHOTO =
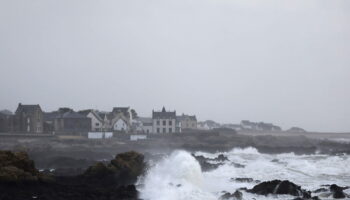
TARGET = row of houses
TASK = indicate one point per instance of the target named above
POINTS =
(32, 119)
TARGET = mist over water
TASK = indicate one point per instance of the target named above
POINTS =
(179, 176)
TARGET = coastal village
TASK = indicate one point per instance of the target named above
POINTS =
(120, 120)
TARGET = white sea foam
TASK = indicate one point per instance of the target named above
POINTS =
(179, 177)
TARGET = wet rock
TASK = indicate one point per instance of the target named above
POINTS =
(237, 165)
(235, 196)
(17, 167)
(221, 158)
(243, 180)
(124, 169)
(205, 165)
(337, 191)
(312, 198)
(320, 190)
(280, 187)
(92, 185)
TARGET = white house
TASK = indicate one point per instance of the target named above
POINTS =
(97, 123)
(121, 118)
(121, 125)
(164, 122)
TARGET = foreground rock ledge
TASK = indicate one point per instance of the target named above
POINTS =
(20, 180)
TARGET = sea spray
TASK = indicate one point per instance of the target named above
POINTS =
(176, 177)
(179, 177)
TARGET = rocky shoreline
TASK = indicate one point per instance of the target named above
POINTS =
(19, 179)
(115, 179)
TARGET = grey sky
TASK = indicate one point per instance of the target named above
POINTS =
(286, 62)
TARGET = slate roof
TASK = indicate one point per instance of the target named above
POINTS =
(72, 115)
(86, 113)
(145, 119)
(164, 114)
(124, 110)
(50, 116)
(28, 108)
(184, 117)
(6, 112)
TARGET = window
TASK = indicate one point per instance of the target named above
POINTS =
(164, 130)
(170, 123)
(158, 122)
(158, 130)
(164, 122)
(170, 130)
(97, 124)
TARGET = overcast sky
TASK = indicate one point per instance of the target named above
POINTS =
(285, 62)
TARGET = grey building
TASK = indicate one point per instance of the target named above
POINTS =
(28, 118)
(72, 122)
(186, 122)
(164, 121)
(6, 119)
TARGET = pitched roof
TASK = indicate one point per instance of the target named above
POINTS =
(72, 115)
(27, 108)
(85, 112)
(6, 112)
(145, 119)
(124, 110)
(164, 114)
(185, 117)
(50, 116)
(95, 113)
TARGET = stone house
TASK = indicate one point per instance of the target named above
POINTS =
(28, 118)
(6, 120)
(164, 121)
(71, 122)
(187, 122)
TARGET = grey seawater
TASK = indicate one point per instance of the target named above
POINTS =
(179, 176)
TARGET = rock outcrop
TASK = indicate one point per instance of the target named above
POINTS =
(20, 180)
(280, 187)
(205, 165)
(17, 168)
(235, 196)
(337, 191)
(122, 170)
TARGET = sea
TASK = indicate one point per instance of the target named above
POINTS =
(178, 176)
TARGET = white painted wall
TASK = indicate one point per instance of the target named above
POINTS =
(138, 137)
(120, 125)
(96, 125)
(100, 135)
(161, 128)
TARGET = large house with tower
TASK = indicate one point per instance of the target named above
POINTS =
(164, 121)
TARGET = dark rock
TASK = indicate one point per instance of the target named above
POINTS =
(237, 165)
(205, 165)
(236, 195)
(320, 190)
(17, 167)
(337, 191)
(221, 158)
(124, 169)
(280, 187)
(243, 180)
(99, 182)
(315, 198)
(312, 198)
